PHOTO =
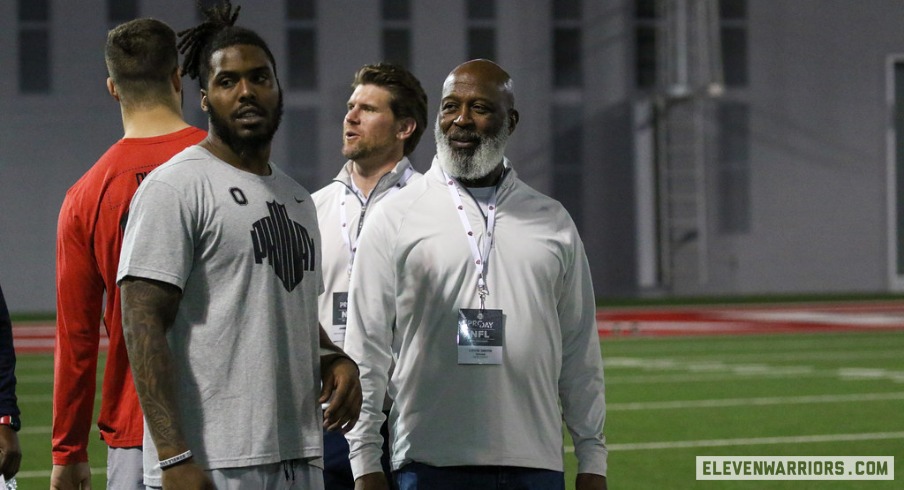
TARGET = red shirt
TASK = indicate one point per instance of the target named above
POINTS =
(89, 238)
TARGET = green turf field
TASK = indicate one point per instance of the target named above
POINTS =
(673, 398)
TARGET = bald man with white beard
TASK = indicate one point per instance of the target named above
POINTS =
(479, 287)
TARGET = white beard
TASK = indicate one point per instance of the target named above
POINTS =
(458, 164)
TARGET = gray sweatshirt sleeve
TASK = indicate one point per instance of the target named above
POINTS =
(581, 386)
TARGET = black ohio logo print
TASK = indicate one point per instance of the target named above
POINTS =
(285, 244)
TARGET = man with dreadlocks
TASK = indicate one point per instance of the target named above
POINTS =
(220, 273)
(143, 64)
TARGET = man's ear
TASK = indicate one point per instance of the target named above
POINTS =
(406, 128)
(111, 88)
(176, 80)
(203, 100)
(513, 118)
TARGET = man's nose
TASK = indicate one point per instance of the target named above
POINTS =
(352, 115)
(246, 89)
(463, 118)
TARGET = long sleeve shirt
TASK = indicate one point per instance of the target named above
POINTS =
(341, 213)
(89, 238)
(413, 273)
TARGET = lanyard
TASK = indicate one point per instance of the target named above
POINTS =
(480, 257)
(344, 230)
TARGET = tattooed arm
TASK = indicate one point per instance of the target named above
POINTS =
(148, 311)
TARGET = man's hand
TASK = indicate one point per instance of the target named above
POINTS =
(342, 388)
(11, 453)
(589, 481)
(76, 476)
(372, 481)
(186, 476)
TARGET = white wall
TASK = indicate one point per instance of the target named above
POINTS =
(817, 87)
(818, 150)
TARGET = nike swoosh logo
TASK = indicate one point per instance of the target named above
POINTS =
(298, 200)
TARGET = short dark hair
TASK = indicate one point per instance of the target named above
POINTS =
(407, 97)
(217, 31)
(141, 57)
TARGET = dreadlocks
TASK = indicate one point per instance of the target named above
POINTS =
(217, 31)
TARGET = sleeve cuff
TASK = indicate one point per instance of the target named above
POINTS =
(365, 462)
(64, 459)
(592, 457)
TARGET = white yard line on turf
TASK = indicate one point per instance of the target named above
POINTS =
(640, 446)
(767, 400)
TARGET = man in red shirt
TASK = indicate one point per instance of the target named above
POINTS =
(142, 61)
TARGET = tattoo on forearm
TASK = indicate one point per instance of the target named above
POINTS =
(148, 310)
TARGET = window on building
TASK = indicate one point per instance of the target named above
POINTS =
(301, 46)
(481, 25)
(733, 171)
(302, 59)
(397, 32)
(567, 65)
(568, 148)
(645, 65)
(566, 9)
(302, 124)
(481, 43)
(34, 47)
(301, 9)
(733, 9)
(396, 10)
(649, 26)
(481, 9)
(397, 46)
(649, 32)
(733, 122)
(733, 33)
(34, 10)
(566, 44)
(567, 108)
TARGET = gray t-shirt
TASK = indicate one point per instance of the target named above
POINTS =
(245, 250)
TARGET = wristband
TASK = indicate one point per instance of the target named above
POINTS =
(12, 421)
(166, 463)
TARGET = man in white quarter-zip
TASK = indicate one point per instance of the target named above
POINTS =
(477, 289)
(386, 116)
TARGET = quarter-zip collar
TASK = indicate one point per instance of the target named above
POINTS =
(508, 179)
(386, 182)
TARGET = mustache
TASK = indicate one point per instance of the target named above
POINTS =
(462, 134)
(247, 108)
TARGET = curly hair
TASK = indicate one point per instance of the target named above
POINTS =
(217, 31)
